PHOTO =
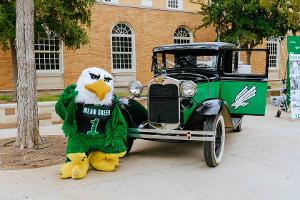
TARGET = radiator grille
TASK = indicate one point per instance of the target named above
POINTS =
(163, 103)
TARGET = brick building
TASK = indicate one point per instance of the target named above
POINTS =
(122, 35)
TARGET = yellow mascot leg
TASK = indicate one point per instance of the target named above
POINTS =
(105, 162)
(77, 168)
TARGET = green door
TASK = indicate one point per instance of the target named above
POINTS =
(244, 81)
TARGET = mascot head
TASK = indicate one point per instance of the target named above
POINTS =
(95, 86)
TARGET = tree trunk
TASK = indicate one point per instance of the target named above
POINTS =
(15, 68)
(248, 57)
(27, 112)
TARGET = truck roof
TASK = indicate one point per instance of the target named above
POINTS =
(200, 45)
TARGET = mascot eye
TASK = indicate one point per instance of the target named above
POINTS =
(94, 76)
(107, 79)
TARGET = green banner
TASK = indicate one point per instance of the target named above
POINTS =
(293, 74)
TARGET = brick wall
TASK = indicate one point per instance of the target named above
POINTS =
(257, 61)
(152, 27)
(161, 4)
(6, 82)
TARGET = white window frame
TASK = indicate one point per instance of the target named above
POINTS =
(180, 5)
(61, 61)
(274, 43)
(133, 53)
(147, 3)
(108, 1)
(181, 37)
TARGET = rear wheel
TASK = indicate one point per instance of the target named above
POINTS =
(278, 113)
(239, 127)
(213, 150)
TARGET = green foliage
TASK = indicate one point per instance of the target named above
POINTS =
(67, 19)
(248, 22)
(290, 9)
(7, 23)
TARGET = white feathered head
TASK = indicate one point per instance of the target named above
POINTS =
(95, 86)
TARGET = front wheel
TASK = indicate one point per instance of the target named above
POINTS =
(213, 150)
(129, 144)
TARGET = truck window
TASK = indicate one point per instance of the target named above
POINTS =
(245, 62)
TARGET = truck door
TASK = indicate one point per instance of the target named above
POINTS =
(244, 74)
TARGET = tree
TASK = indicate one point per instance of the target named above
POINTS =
(290, 9)
(27, 120)
(248, 22)
(67, 19)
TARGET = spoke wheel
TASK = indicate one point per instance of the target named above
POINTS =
(213, 150)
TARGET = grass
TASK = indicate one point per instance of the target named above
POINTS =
(122, 94)
(44, 98)
(48, 98)
(7, 99)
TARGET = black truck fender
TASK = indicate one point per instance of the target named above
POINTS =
(133, 112)
(209, 109)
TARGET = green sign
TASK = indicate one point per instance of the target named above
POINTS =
(293, 75)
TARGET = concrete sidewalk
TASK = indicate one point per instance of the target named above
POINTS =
(44, 130)
(262, 162)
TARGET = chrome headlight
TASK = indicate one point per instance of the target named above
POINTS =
(135, 88)
(188, 88)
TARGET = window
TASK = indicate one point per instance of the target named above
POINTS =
(122, 48)
(186, 60)
(48, 54)
(244, 62)
(273, 45)
(147, 3)
(175, 4)
(182, 36)
(108, 1)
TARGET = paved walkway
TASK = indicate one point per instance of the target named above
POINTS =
(44, 130)
(262, 162)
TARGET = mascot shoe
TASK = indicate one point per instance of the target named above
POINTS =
(105, 162)
(77, 168)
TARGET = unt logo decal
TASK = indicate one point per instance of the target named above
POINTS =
(243, 96)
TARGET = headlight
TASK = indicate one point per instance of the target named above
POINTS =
(135, 88)
(188, 88)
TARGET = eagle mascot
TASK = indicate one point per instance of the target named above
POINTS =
(93, 124)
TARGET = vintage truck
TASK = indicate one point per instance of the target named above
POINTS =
(198, 91)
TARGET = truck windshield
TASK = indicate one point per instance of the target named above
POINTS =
(186, 60)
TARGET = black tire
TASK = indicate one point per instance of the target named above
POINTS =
(213, 151)
(278, 113)
(239, 128)
(129, 144)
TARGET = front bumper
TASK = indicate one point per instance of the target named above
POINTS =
(162, 134)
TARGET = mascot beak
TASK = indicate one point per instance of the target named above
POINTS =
(99, 88)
